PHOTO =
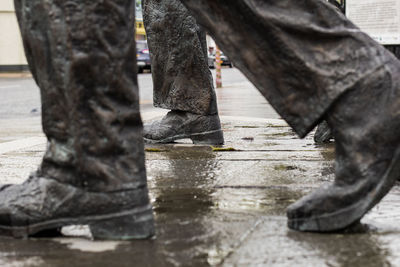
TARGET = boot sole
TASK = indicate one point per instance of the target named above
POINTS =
(137, 223)
(343, 218)
(210, 138)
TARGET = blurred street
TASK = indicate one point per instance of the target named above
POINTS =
(20, 108)
(20, 96)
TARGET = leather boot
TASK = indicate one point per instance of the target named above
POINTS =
(201, 129)
(93, 171)
(367, 135)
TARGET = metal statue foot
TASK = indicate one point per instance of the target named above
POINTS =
(201, 129)
(41, 204)
(323, 134)
(367, 155)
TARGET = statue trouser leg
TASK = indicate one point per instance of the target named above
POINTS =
(323, 134)
(182, 80)
(310, 62)
(82, 55)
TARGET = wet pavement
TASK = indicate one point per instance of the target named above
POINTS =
(215, 206)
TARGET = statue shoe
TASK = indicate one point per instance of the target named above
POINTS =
(323, 134)
(201, 129)
(43, 204)
(367, 139)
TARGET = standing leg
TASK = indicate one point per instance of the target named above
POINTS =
(182, 81)
(310, 62)
(82, 55)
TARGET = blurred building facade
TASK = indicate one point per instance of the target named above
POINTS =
(140, 31)
(12, 56)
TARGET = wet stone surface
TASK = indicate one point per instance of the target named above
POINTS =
(222, 207)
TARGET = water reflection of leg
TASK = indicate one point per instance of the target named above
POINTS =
(182, 187)
(357, 249)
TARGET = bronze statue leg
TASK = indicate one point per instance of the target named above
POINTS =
(310, 62)
(182, 80)
(82, 55)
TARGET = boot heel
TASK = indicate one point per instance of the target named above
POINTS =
(138, 225)
(209, 138)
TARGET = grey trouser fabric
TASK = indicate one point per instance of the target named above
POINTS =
(301, 55)
(395, 49)
(182, 80)
(82, 55)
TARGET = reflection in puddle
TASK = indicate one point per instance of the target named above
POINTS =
(29, 261)
(363, 250)
(182, 193)
(265, 201)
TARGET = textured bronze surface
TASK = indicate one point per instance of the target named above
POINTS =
(82, 56)
(310, 62)
(306, 58)
(181, 77)
(301, 55)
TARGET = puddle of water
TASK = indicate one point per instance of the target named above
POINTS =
(29, 261)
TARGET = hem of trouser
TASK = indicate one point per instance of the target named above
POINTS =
(306, 125)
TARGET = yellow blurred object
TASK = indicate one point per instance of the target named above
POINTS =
(140, 28)
(340, 2)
